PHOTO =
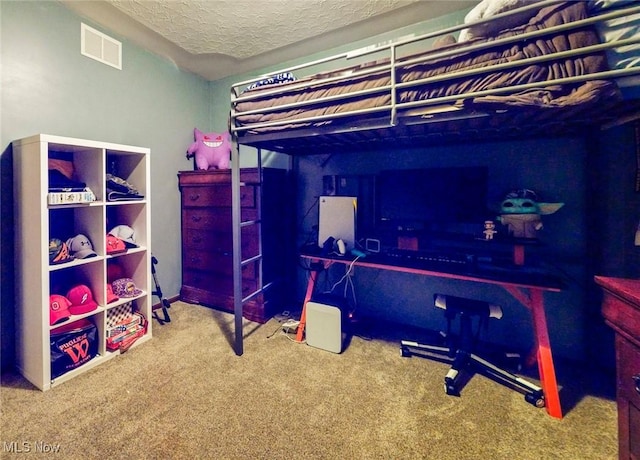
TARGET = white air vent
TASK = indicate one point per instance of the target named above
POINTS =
(101, 47)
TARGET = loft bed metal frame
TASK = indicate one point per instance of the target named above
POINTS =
(407, 121)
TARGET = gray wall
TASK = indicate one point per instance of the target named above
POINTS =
(49, 87)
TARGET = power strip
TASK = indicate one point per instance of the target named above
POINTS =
(290, 326)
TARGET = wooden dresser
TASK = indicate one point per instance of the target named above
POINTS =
(207, 239)
(621, 310)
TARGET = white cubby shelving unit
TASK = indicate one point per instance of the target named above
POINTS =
(36, 222)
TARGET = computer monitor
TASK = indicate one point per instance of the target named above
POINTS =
(431, 198)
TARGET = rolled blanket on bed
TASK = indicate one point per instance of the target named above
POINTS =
(490, 8)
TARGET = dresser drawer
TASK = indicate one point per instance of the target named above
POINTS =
(215, 262)
(223, 285)
(222, 243)
(217, 219)
(628, 367)
(624, 316)
(217, 195)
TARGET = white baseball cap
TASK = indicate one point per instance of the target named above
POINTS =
(124, 233)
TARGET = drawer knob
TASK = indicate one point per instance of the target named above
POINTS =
(194, 196)
(636, 379)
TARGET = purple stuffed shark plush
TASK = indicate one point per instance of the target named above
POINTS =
(211, 150)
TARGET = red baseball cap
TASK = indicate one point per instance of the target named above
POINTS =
(115, 245)
(81, 300)
(58, 309)
(111, 297)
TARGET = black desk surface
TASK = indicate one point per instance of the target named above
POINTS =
(474, 269)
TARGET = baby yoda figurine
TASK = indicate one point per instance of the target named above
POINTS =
(521, 211)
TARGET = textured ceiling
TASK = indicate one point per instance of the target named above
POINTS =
(245, 28)
(218, 38)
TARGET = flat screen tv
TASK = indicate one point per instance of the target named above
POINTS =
(432, 198)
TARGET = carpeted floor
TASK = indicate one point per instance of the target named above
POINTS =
(185, 394)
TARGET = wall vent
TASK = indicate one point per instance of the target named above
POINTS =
(101, 47)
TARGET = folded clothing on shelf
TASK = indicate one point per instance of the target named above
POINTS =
(63, 187)
(119, 189)
(58, 182)
(120, 196)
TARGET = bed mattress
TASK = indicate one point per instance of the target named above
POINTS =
(446, 60)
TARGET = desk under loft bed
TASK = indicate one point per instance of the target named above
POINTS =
(547, 69)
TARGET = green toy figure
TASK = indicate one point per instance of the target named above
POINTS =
(521, 211)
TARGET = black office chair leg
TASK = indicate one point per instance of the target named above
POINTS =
(409, 348)
(533, 394)
(453, 381)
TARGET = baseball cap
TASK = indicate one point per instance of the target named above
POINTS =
(124, 233)
(115, 245)
(58, 309)
(111, 297)
(80, 247)
(81, 300)
(125, 287)
(58, 251)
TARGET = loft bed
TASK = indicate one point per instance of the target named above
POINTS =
(513, 69)
(549, 68)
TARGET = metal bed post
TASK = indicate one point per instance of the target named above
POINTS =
(236, 218)
(236, 256)
(261, 285)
